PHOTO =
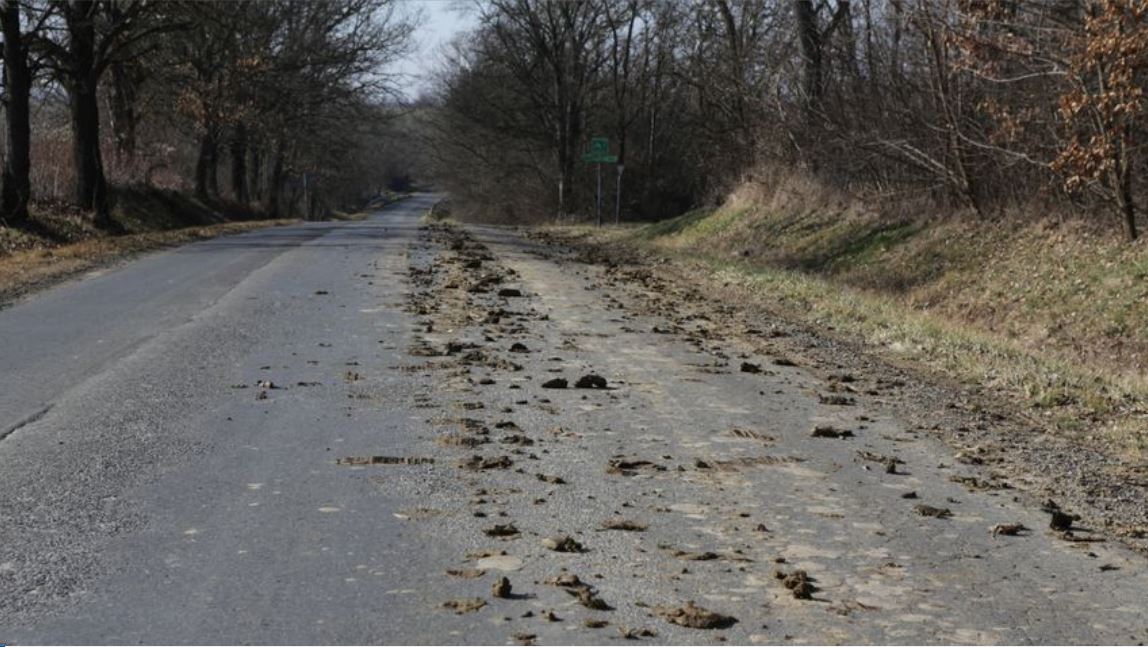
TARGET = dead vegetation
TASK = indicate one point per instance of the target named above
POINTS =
(1090, 415)
(514, 502)
(1041, 310)
(40, 264)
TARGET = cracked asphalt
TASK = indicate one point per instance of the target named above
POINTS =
(339, 433)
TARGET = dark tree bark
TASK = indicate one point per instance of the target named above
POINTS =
(96, 34)
(275, 182)
(569, 134)
(91, 185)
(813, 39)
(737, 70)
(810, 36)
(206, 167)
(124, 115)
(239, 164)
(960, 175)
(553, 56)
(82, 82)
(1122, 170)
(16, 188)
(125, 78)
(256, 174)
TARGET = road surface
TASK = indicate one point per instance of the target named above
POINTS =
(325, 433)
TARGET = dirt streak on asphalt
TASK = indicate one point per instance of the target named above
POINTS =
(983, 426)
(386, 433)
(713, 489)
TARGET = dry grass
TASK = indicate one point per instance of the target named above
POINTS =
(27, 269)
(350, 216)
(64, 241)
(1053, 314)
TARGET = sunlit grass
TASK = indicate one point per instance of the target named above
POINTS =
(22, 270)
(1035, 312)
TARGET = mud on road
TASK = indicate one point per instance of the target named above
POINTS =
(622, 466)
(381, 432)
(985, 428)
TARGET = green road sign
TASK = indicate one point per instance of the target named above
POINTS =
(600, 152)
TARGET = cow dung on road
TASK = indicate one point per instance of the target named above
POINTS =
(695, 617)
(829, 431)
(563, 544)
(465, 605)
(931, 511)
(477, 462)
(589, 599)
(590, 381)
(501, 530)
(798, 582)
(501, 588)
(623, 524)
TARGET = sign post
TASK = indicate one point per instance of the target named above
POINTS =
(598, 201)
(618, 196)
(600, 154)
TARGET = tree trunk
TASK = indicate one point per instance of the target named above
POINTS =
(83, 79)
(809, 33)
(206, 182)
(123, 100)
(1128, 213)
(17, 186)
(91, 185)
(895, 46)
(275, 182)
(124, 117)
(312, 203)
(959, 175)
(813, 39)
(568, 153)
(256, 170)
(737, 71)
(239, 164)
(1124, 199)
(565, 176)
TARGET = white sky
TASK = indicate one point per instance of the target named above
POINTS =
(442, 20)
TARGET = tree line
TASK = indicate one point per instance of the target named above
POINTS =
(978, 105)
(285, 99)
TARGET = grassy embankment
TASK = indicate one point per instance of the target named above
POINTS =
(1052, 314)
(67, 243)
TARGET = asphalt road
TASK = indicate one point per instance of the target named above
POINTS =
(174, 428)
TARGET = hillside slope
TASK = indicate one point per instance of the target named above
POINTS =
(1049, 312)
(65, 242)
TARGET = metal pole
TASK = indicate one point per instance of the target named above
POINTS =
(598, 202)
(618, 197)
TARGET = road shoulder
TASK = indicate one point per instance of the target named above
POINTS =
(984, 427)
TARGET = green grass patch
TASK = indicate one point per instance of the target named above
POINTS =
(673, 226)
(1050, 314)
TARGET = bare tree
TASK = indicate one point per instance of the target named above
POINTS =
(90, 36)
(17, 186)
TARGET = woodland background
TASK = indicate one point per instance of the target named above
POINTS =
(259, 108)
(976, 106)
